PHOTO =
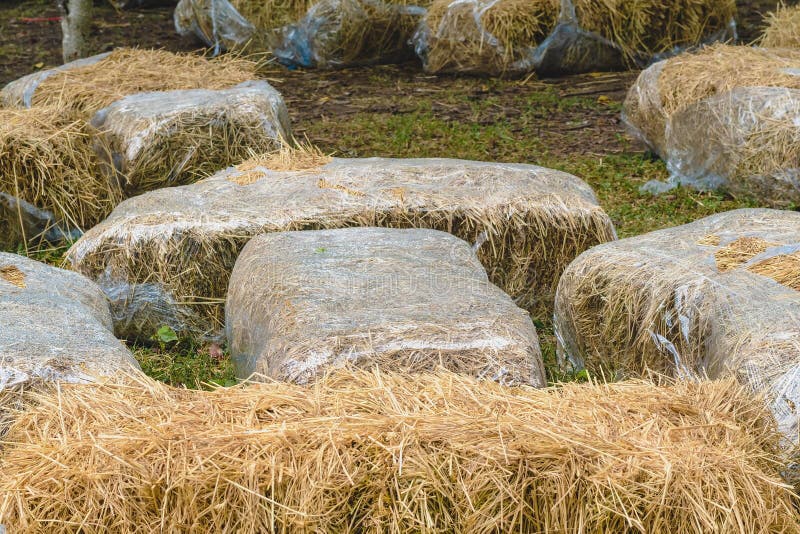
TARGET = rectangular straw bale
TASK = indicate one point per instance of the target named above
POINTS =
(403, 300)
(714, 297)
(378, 452)
(165, 257)
(156, 139)
(49, 180)
(54, 325)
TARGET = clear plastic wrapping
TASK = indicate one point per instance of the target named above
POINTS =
(735, 128)
(340, 33)
(507, 37)
(301, 303)
(527, 222)
(215, 22)
(333, 33)
(717, 297)
(54, 325)
(157, 139)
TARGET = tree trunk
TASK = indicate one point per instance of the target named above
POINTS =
(76, 17)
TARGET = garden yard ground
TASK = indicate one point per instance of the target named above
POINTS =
(572, 123)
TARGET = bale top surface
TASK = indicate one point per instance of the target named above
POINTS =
(400, 299)
(101, 80)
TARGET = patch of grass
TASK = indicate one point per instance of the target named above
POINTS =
(183, 363)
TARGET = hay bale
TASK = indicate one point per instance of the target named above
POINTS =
(671, 85)
(377, 452)
(98, 81)
(215, 22)
(746, 142)
(155, 139)
(165, 257)
(714, 297)
(553, 36)
(300, 303)
(307, 33)
(723, 118)
(54, 325)
(342, 33)
(49, 185)
(783, 28)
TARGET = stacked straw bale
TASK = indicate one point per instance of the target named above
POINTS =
(54, 325)
(783, 28)
(403, 300)
(94, 83)
(376, 452)
(725, 117)
(51, 184)
(716, 297)
(155, 139)
(516, 36)
(165, 257)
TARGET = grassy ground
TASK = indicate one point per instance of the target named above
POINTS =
(572, 124)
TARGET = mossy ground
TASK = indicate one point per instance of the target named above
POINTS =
(571, 124)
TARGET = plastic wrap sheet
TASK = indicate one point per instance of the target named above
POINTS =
(734, 127)
(54, 325)
(526, 222)
(505, 37)
(151, 140)
(300, 303)
(715, 297)
(341, 33)
(19, 93)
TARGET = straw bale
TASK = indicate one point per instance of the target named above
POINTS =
(155, 139)
(170, 252)
(782, 28)
(100, 80)
(671, 85)
(746, 142)
(677, 302)
(378, 452)
(552, 36)
(54, 325)
(341, 33)
(215, 22)
(49, 185)
(402, 300)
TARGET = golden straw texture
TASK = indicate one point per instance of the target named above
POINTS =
(368, 452)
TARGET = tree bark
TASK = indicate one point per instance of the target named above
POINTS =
(76, 18)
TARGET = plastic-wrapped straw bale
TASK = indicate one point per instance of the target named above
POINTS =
(300, 303)
(717, 297)
(307, 33)
(165, 257)
(512, 37)
(54, 325)
(156, 139)
(723, 118)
